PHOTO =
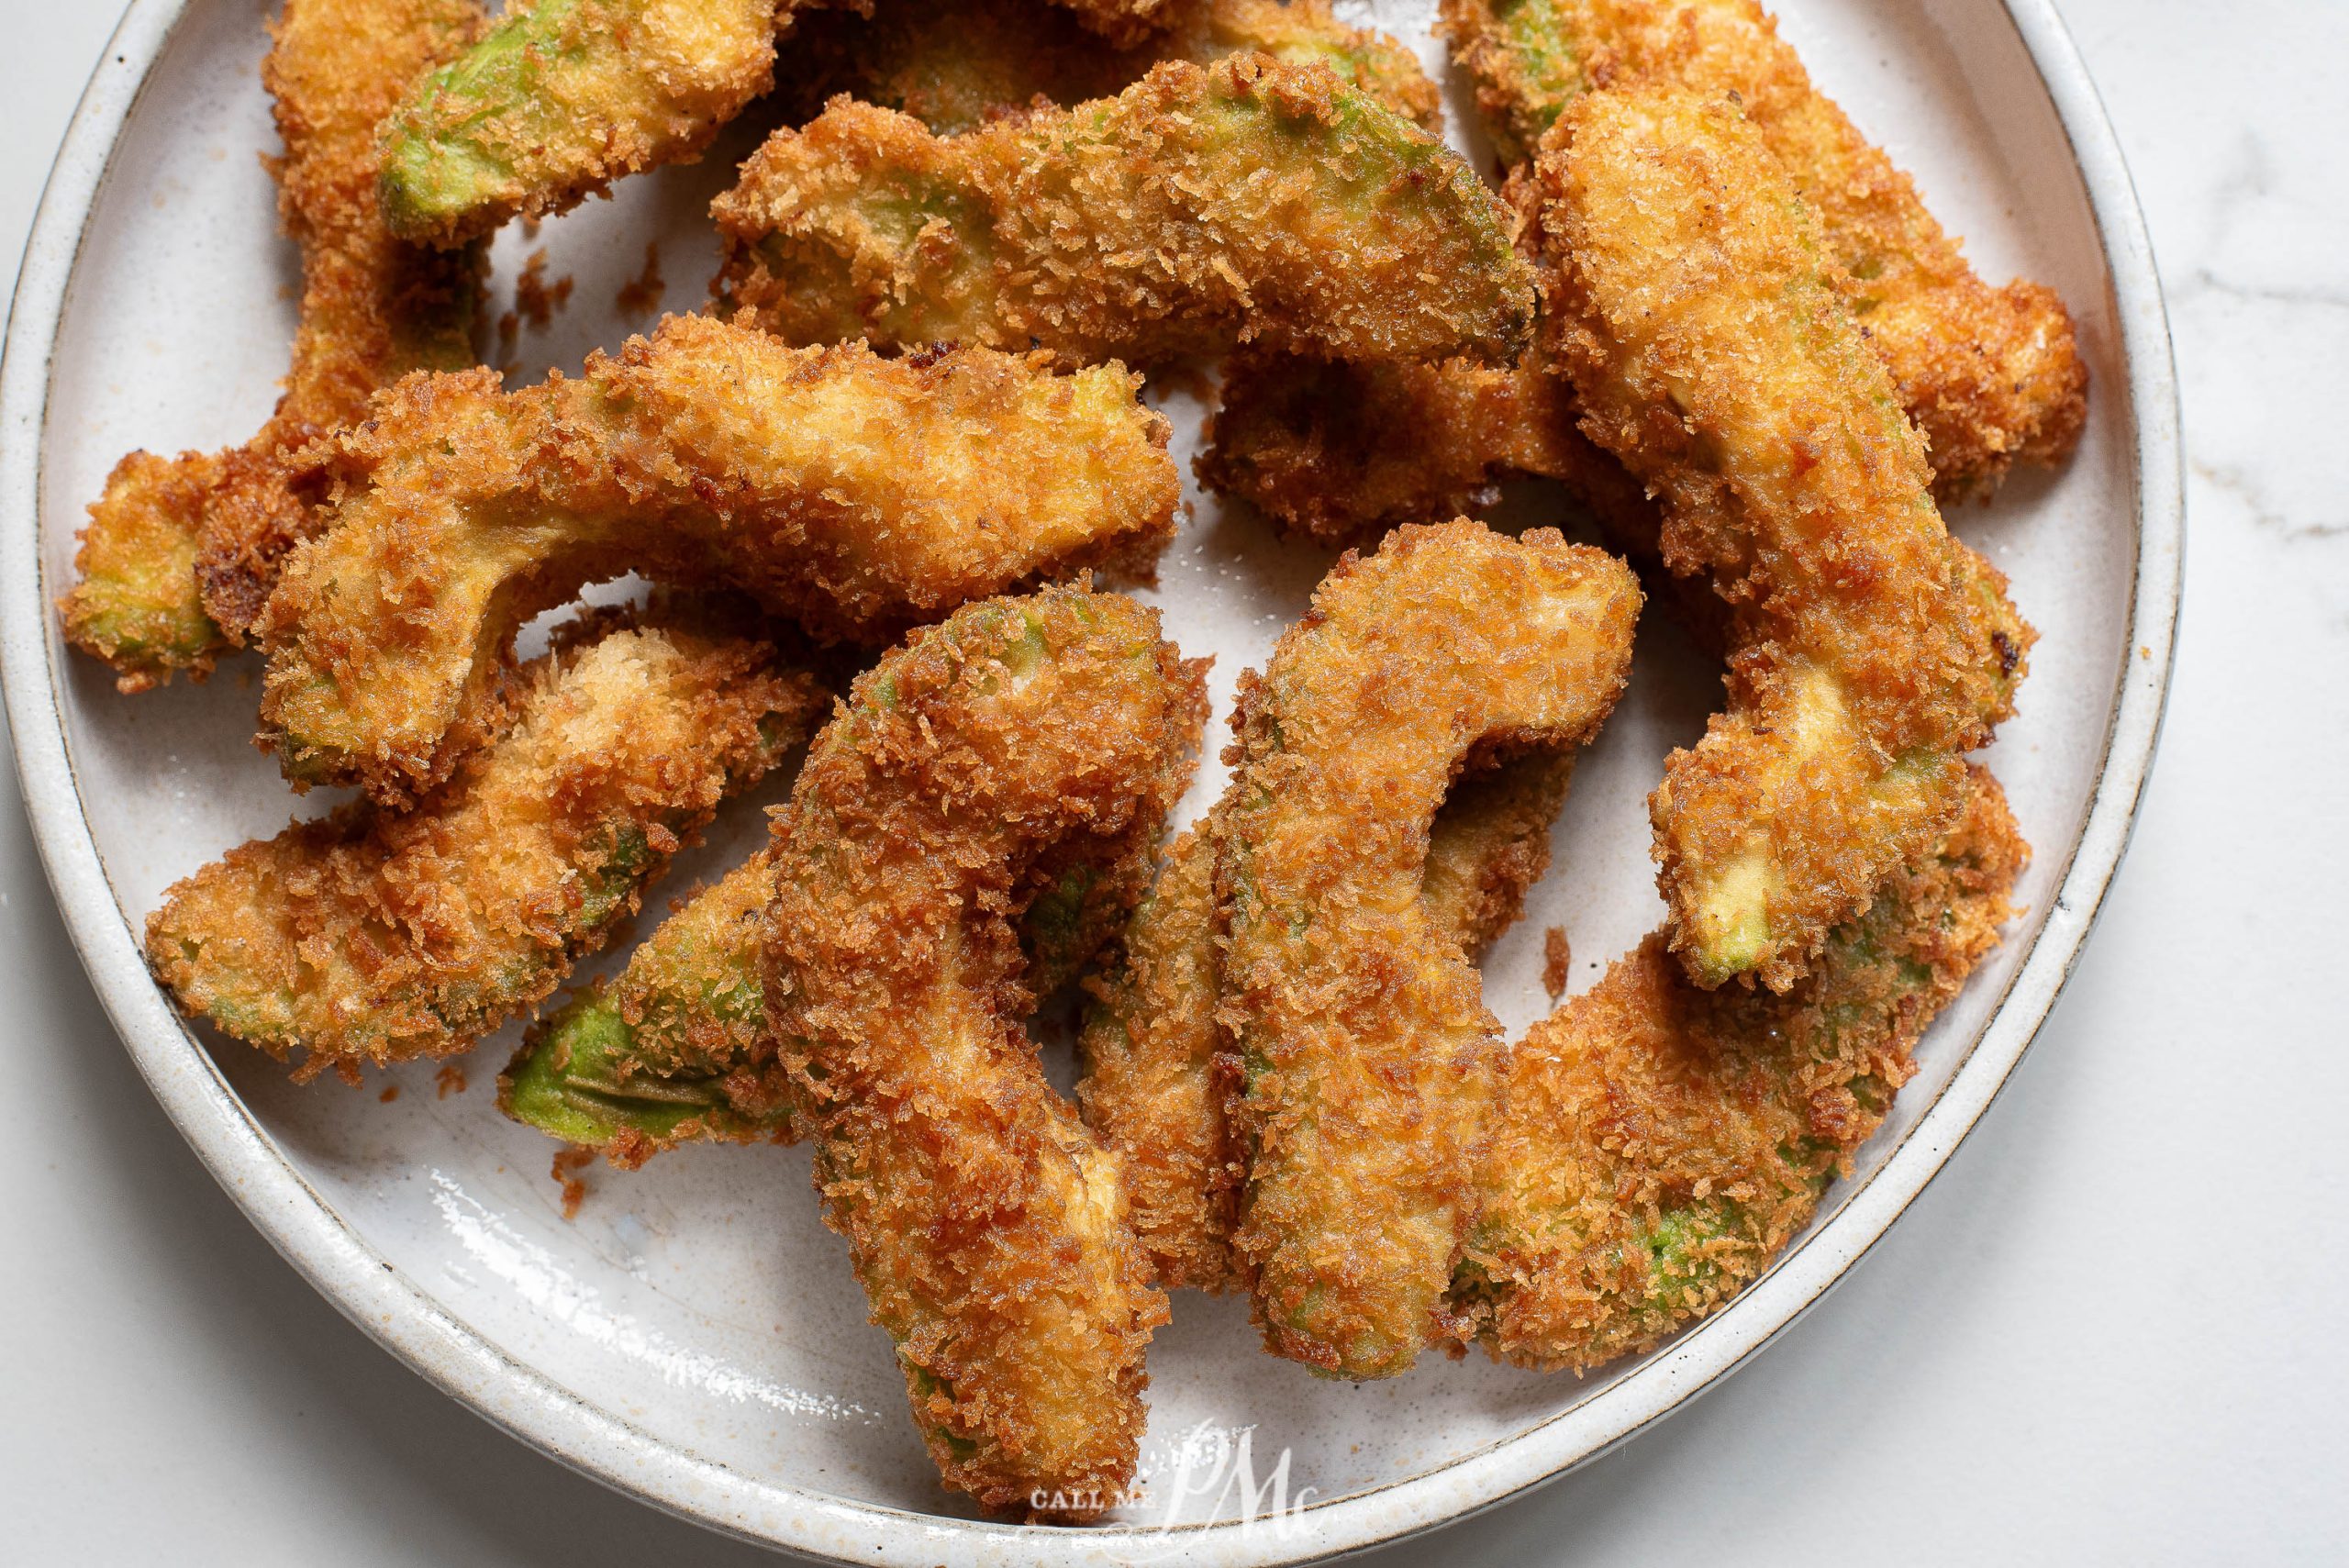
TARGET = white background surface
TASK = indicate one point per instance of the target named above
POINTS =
(2110, 1331)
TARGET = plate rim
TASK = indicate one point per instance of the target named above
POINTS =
(368, 1290)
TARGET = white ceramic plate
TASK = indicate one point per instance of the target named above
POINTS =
(694, 1338)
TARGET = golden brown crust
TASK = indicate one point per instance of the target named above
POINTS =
(956, 68)
(1150, 1038)
(1712, 353)
(374, 936)
(856, 494)
(174, 567)
(560, 99)
(1338, 453)
(1990, 375)
(988, 1227)
(1490, 843)
(1248, 200)
(1662, 1144)
(1148, 1043)
(1126, 23)
(1362, 1058)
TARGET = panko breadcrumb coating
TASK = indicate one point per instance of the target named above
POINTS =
(563, 97)
(987, 1226)
(1990, 375)
(1339, 454)
(855, 494)
(1710, 345)
(1662, 1144)
(953, 68)
(179, 552)
(677, 1050)
(1247, 201)
(1124, 22)
(1364, 1061)
(374, 936)
(1150, 1036)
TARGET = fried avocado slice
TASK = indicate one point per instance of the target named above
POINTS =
(1150, 1038)
(1146, 1055)
(563, 97)
(986, 1224)
(955, 68)
(134, 603)
(179, 551)
(1307, 32)
(673, 1050)
(1365, 1061)
(855, 494)
(370, 936)
(1248, 201)
(1338, 453)
(1990, 375)
(1662, 1144)
(677, 1049)
(1707, 337)
(1490, 843)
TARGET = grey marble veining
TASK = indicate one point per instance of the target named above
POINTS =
(2236, 132)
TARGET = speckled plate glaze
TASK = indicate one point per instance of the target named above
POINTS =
(694, 1338)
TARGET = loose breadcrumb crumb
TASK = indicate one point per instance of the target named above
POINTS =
(641, 295)
(1558, 961)
(536, 298)
(569, 1161)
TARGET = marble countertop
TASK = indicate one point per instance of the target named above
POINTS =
(2106, 1333)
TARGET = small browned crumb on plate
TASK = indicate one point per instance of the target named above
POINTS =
(449, 1080)
(569, 1161)
(390, 1091)
(1190, 377)
(536, 298)
(1557, 959)
(641, 295)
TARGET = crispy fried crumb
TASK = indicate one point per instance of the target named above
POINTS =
(1706, 325)
(1990, 375)
(641, 295)
(1557, 962)
(1151, 1032)
(536, 299)
(1251, 200)
(179, 553)
(954, 67)
(854, 494)
(986, 1226)
(1363, 1060)
(1659, 1144)
(568, 1165)
(559, 100)
(449, 1080)
(375, 935)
